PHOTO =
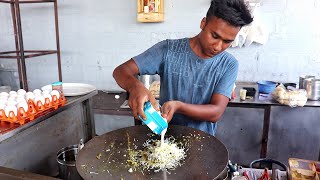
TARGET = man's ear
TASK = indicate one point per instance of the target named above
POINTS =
(203, 23)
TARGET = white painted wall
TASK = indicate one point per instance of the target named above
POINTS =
(98, 35)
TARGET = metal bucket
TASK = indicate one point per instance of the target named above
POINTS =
(313, 89)
(66, 159)
(302, 84)
(148, 79)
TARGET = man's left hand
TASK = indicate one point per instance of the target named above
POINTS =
(169, 108)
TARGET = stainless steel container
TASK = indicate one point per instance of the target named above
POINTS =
(307, 82)
(302, 78)
(66, 159)
(313, 89)
(145, 79)
(315, 93)
(148, 79)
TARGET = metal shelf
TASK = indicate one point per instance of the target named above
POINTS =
(32, 53)
(20, 54)
(26, 1)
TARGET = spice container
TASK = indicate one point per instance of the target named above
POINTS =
(57, 86)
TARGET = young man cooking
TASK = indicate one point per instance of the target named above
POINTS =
(197, 74)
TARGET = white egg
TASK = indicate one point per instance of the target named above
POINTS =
(24, 105)
(20, 99)
(37, 99)
(11, 102)
(45, 92)
(3, 99)
(20, 96)
(10, 108)
(55, 92)
(11, 99)
(29, 93)
(12, 92)
(13, 96)
(37, 91)
(29, 96)
(48, 96)
(21, 92)
(2, 106)
(4, 94)
(37, 94)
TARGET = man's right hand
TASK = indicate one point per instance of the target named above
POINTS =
(138, 94)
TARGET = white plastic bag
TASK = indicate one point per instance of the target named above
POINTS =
(291, 98)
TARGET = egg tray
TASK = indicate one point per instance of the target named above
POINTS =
(34, 111)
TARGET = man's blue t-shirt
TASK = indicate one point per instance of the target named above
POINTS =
(188, 78)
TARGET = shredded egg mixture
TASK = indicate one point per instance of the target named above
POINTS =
(157, 155)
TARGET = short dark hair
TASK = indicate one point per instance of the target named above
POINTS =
(235, 12)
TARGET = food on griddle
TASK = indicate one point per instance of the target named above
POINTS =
(99, 156)
(155, 156)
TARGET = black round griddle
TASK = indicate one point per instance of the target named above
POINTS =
(105, 156)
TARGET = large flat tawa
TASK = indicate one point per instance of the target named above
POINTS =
(105, 156)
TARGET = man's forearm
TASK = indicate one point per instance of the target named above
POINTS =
(124, 80)
(125, 77)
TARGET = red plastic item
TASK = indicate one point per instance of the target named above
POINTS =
(245, 174)
(265, 175)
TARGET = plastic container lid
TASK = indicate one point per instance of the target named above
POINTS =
(57, 83)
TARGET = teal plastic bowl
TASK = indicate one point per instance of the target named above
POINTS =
(266, 87)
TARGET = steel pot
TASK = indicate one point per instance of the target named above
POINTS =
(302, 79)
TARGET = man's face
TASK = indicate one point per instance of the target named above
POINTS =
(216, 36)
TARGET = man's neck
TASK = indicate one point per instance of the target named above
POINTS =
(196, 48)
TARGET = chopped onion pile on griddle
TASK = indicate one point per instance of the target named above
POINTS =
(155, 156)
